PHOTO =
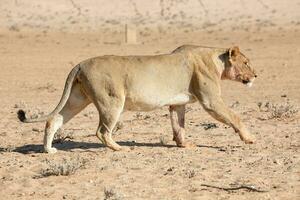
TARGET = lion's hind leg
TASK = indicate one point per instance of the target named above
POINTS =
(77, 101)
(109, 116)
(52, 125)
(110, 104)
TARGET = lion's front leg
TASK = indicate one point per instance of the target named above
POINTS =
(216, 108)
(177, 116)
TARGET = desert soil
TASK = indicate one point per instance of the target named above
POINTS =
(38, 49)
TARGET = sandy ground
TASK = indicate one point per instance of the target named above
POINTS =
(35, 61)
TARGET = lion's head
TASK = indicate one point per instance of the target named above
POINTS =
(238, 68)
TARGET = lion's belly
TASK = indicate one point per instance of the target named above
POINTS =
(155, 85)
(151, 102)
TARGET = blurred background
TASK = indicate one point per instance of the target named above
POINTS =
(149, 18)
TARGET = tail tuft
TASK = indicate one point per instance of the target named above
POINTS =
(21, 115)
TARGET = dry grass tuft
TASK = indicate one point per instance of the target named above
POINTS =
(62, 136)
(278, 111)
(163, 140)
(111, 194)
(64, 167)
(209, 125)
(190, 173)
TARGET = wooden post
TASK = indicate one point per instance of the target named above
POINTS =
(130, 34)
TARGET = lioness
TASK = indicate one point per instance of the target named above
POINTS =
(143, 83)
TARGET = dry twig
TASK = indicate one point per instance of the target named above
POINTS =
(251, 188)
(203, 7)
(76, 7)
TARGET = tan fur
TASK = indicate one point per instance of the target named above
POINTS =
(47, 124)
(143, 83)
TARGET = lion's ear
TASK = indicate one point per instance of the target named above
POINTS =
(233, 52)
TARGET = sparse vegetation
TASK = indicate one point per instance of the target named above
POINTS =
(65, 167)
(278, 111)
(111, 194)
(163, 140)
(7, 149)
(48, 87)
(209, 125)
(190, 173)
(14, 28)
(62, 136)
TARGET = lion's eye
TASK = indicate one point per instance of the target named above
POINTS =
(246, 63)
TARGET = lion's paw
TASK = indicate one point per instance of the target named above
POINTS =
(250, 139)
(51, 150)
(187, 145)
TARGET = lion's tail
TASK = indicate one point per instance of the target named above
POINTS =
(62, 102)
